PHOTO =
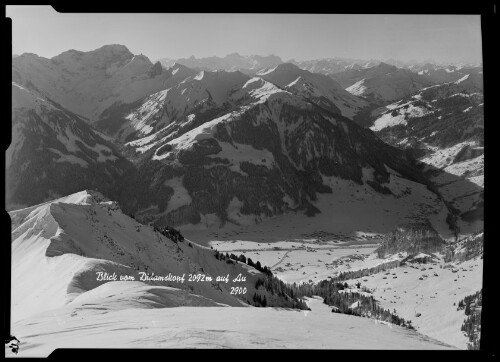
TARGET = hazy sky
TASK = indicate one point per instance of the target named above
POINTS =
(453, 38)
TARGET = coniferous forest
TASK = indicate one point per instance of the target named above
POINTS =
(471, 305)
(353, 303)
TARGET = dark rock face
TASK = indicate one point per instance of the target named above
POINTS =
(155, 70)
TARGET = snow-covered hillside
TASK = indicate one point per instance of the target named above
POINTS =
(218, 327)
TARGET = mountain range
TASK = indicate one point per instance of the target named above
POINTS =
(186, 146)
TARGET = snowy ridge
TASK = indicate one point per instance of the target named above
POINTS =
(195, 95)
(64, 243)
(403, 114)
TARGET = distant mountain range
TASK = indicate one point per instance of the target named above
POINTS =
(328, 66)
(230, 62)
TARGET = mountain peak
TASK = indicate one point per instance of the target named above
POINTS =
(85, 197)
(113, 48)
(287, 67)
(108, 54)
(386, 66)
(234, 55)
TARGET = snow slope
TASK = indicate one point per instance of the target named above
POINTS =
(431, 291)
(215, 327)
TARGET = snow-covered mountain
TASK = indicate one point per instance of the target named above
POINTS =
(54, 152)
(202, 147)
(381, 83)
(240, 150)
(87, 83)
(427, 287)
(316, 88)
